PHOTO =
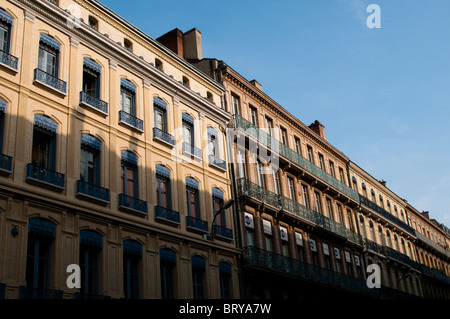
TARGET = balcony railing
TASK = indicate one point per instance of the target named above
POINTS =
(196, 224)
(220, 163)
(50, 81)
(94, 102)
(163, 136)
(390, 253)
(91, 191)
(9, 60)
(165, 214)
(254, 191)
(191, 150)
(267, 140)
(26, 292)
(5, 163)
(431, 243)
(45, 176)
(223, 232)
(263, 259)
(131, 203)
(373, 246)
(369, 204)
(131, 120)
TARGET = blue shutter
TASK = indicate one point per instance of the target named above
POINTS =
(42, 227)
(50, 42)
(168, 255)
(91, 238)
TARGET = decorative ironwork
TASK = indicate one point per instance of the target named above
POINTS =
(197, 224)
(94, 102)
(50, 80)
(369, 204)
(276, 146)
(5, 163)
(223, 232)
(131, 120)
(45, 175)
(189, 149)
(163, 213)
(247, 188)
(217, 162)
(133, 203)
(164, 136)
(9, 60)
(92, 191)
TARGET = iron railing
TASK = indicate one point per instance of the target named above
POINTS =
(167, 214)
(283, 150)
(213, 160)
(223, 232)
(131, 120)
(5, 163)
(191, 150)
(45, 175)
(196, 224)
(135, 204)
(164, 136)
(9, 60)
(279, 202)
(369, 204)
(92, 191)
(94, 102)
(50, 80)
(263, 259)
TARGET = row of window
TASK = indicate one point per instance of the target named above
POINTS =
(41, 236)
(253, 116)
(337, 213)
(285, 241)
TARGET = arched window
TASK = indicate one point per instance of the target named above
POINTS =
(198, 276)
(44, 142)
(225, 280)
(168, 262)
(41, 234)
(132, 255)
(6, 24)
(163, 188)
(91, 245)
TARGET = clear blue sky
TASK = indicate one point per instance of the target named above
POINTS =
(382, 94)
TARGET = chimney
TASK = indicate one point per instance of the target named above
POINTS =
(426, 214)
(174, 41)
(318, 128)
(256, 84)
(192, 45)
(383, 182)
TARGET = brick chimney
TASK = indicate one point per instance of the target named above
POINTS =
(186, 45)
(318, 128)
(256, 84)
(174, 41)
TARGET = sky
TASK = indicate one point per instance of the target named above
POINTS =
(383, 94)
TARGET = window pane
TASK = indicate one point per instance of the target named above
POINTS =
(3, 38)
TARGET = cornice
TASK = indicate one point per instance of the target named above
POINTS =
(237, 79)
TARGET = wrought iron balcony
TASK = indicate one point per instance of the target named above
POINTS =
(26, 292)
(49, 80)
(373, 246)
(369, 204)
(398, 256)
(5, 163)
(132, 204)
(45, 176)
(163, 136)
(223, 232)
(276, 146)
(196, 224)
(93, 102)
(91, 191)
(432, 244)
(131, 120)
(9, 60)
(263, 259)
(166, 214)
(279, 202)
(191, 150)
(215, 161)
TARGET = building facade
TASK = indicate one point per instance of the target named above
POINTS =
(308, 227)
(113, 160)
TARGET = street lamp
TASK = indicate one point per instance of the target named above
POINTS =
(227, 205)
